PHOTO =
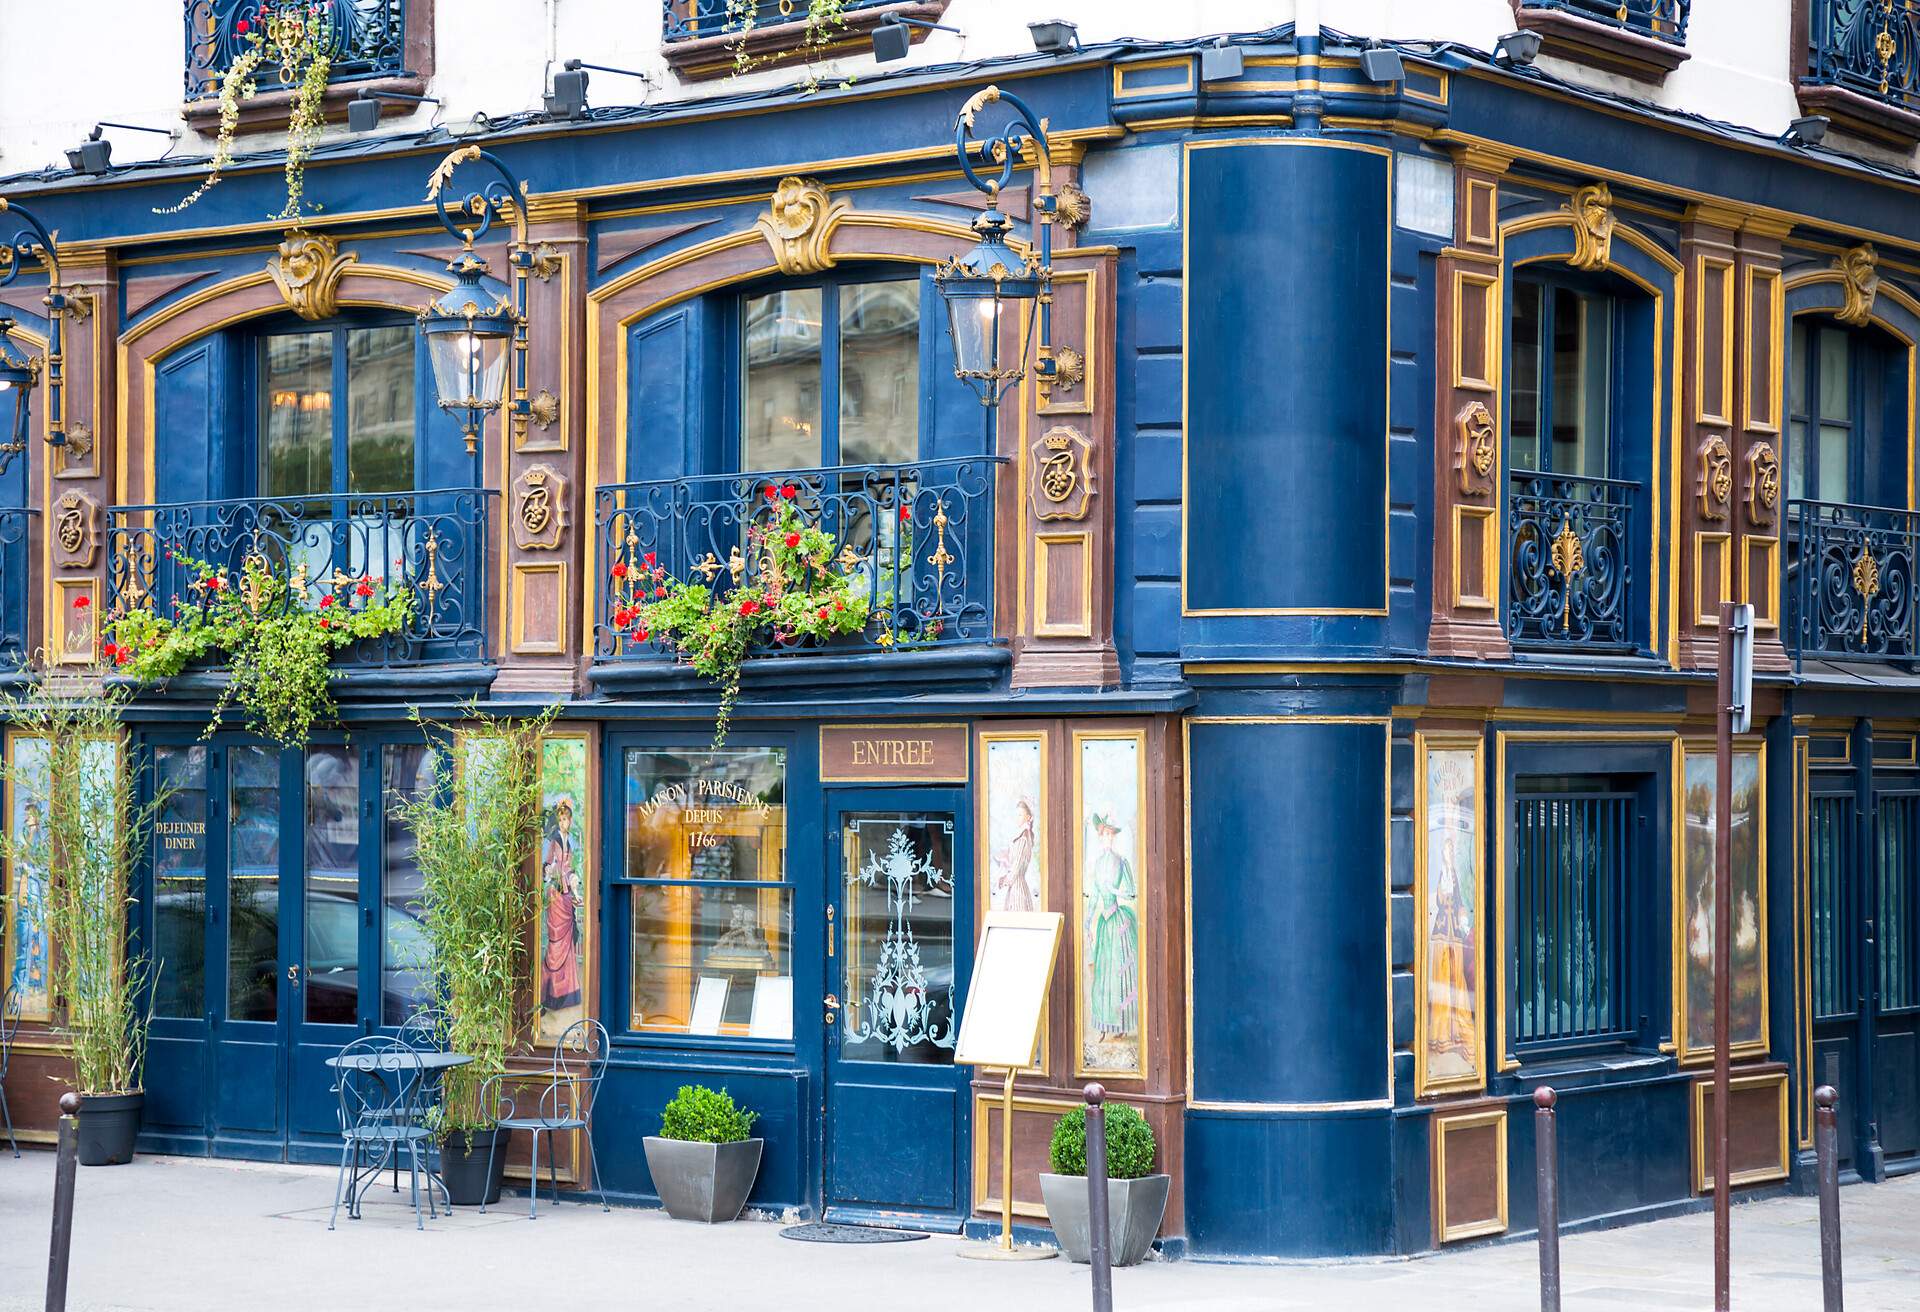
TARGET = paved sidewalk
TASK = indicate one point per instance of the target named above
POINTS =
(179, 1235)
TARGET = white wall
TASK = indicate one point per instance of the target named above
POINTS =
(493, 56)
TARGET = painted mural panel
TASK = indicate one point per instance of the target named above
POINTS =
(29, 951)
(1016, 827)
(1109, 806)
(1450, 1055)
(1695, 908)
(566, 884)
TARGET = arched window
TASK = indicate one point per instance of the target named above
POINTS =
(1846, 416)
(335, 409)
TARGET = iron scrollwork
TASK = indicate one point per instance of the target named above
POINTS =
(1851, 583)
(1569, 548)
(1869, 47)
(366, 38)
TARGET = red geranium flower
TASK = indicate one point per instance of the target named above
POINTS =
(838, 604)
(365, 589)
(325, 623)
(789, 492)
(218, 583)
(243, 27)
(772, 492)
(326, 601)
(641, 635)
(906, 513)
(82, 602)
(620, 570)
(793, 539)
(823, 612)
(648, 559)
(660, 591)
(747, 607)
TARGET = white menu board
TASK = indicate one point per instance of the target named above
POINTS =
(1008, 991)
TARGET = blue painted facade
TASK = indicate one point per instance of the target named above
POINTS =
(1274, 604)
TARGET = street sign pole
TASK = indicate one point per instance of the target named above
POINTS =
(1733, 689)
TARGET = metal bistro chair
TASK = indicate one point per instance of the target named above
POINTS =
(565, 1103)
(9, 1026)
(421, 1032)
(379, 1090)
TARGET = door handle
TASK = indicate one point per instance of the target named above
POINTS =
(832, 1004)
(293, 973)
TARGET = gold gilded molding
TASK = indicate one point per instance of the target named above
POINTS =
(1474, 451)
(1063, 473)
(546, 261)
(1073, 207)
(545, 408)
(76, 530)
(1715, 477)
(1763, 482)
(1592, 210)
(307, 269)
(1070, 369)
(1859, 284)
(799, 224)
(539, 508)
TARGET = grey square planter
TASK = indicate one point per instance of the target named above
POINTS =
(1134, 1209)
(703, 1181)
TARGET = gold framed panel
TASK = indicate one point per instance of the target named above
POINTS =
(1751, 745)
(1482, 375)
(984, 857)
(1766, 287)
(1903, 743)
(1413, 89)
(882, 776)
(985, 1200)
(1489, 557)
(1477, 208)
(1768, 548)
(10, 904)
(1703, 1182)
(1090, 354)
(1803, 933)
(1709, 265)
(1445, 1229)
(1082, 955)
(524, 570)
(1471, 955)
(1122, 91)
(1044, 623)
(1723, 588)
(68, 615)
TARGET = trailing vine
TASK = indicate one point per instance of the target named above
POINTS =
(279, 635)
(825, 20)
(299, 37)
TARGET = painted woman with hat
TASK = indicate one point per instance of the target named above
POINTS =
(560, 966)
(1113, 936)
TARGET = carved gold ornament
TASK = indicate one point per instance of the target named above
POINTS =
(1592, 211)
(79, 443)
(76, 530)
(1568, 559)
(1072, 207)
(1763, 482)
(1069, 369)
(307, 269)
(546, 261)
(1062, 460)
(539, 508)
(1859, 284)
(1866, 582)
(1716, 477)
(544, 408)
(799, 225)
(1475, 450)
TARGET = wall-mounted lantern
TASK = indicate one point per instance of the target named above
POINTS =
(993, 280)
(469, 332)
(20, 372)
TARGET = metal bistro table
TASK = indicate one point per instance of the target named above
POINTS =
(433, 1065)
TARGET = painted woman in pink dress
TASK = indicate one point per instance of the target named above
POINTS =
(560, 963)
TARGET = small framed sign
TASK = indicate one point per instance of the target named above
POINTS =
(1011, 971)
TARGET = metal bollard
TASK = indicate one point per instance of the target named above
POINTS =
(1827, 1152)
(1099, 1238)
(1546, 1154)
(65, 1159)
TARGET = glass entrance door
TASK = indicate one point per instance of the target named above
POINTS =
(900, 931)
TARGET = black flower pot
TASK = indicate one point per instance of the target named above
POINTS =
(108, 1125)
(464, 1162)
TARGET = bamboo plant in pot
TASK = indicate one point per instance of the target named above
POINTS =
(475, 837)
(1136, 1197)
(87, 830)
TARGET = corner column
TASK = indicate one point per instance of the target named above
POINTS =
(1708, 390)
(77, 479)
(1761, 356)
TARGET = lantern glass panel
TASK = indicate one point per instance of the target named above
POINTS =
(469, 368)
(975, 324)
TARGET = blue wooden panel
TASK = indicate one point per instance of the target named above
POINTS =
(1599, 1175)
(891, 1146)
(1289, 912)
(1288, 1185)
(176, 1083)
(189, 423)
(637, 1087)
(247, 1085)
(1286, 385)
(667, 384)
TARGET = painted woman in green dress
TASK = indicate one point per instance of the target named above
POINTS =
(1113, 936)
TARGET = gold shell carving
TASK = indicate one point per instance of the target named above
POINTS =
(1859, 284)
(1716, 477)
(545, 408)
(546, 261)
(1763, 482)
(307, 269)
(1069, 369)
(1072, 207)
(799, 225)
(1592, 211)
(1475, 450)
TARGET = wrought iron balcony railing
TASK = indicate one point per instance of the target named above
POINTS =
(1663, 19)
(686, 19)
(365, 38)
(1851, 590)
(916, 540)
(1870, 47)
(1570, 561)
(432, 543)
(14, 537)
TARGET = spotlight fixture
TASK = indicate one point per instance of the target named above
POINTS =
(893, 35)
(568, 99)
(1221, 62)
(1808, 131)
(363, 111)
(1381, 64)
(95, 154)
(1054, 36)
(1517, 49)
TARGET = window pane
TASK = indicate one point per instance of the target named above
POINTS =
(380, 409)
(1796, 460)
(1797, 380)
(712, 960)
(296, 425)
(880, 373)
(180, 883)
(1835, 375)
(404, 952)
(1524, 423)
(1573, 898)
(780, 390)
(333, 886)
(29, 952)
(1581, 369)
(1832, 475)
(695, 814)
(253, 884)
(897, 973)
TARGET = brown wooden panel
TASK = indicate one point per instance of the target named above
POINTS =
(888, 753)
(1065, 566)
(1469, 1174)
(1033, 1122)
(1756, 1128)
(539, 606)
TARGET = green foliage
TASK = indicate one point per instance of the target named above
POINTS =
(94, 835)
(279, 638)
(826, 22)
(699, 1115)
(798, 593)
(475, 837)
(1130, 1145)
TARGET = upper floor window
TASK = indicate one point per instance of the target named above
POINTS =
(1643, 39)
(336, 411)
(1862, 67)
(830, 375)
(1841, 402)
(363, 39)
(1563, 379)
(710, 38)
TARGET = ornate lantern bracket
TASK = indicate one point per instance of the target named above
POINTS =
(469, 333)
(30, 242)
